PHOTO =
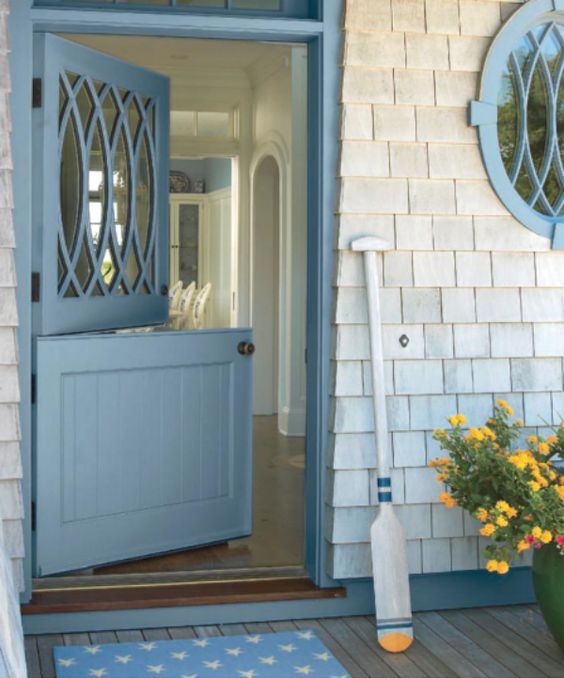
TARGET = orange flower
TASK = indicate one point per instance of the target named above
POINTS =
(502, 567)
(533, 439)
(543, 448)
(552, 440)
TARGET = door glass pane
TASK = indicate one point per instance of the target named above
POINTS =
(189, 233)
(256, 4)
(211, 124)
(200, 3)
(104, 247)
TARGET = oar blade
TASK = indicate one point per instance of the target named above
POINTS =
(391, 582)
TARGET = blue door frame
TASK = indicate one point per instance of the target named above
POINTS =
(323, 40)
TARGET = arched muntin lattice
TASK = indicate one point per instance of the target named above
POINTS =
(520, 117)
(106, 231)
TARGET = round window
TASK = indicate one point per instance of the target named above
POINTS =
(520, 117)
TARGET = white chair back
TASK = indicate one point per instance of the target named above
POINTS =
(199, 307)
(185, 306)
(174, 294)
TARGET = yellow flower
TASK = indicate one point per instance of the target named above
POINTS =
(475, 434)
(486, 430)
(560, 490)
(502, 521)
(491, 566)
(441, 477)
(482, 515)
(536, 532)
(543, 448)
(546, 537)
(534, 485)
(440, 433)
(518, 460)
(457, 419)
(519, 422)
(488, 530)
(552, 475)
(502, 567)
(511, 512)
(533, 439)
(447, 499)
(434, 463)
(523, 545)
(505, 405)
(502, 505)
(552, 440)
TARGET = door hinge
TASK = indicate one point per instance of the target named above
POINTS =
(33, 517)
(33, 389)
(35, 286)
(37, 93)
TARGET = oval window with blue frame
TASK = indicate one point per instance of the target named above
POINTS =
(520, 117)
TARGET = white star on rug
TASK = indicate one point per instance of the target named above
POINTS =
(247, 674)
(288, 648)
(216, 664)
(179, 655)
(93, 649)
(148, 647)
(254, 639)
(268, 660)
(123, 658)
(304, 670)
(201, 643)
(323, 657)
(192, 675)
(159, 668)
(98, 673)
(66, 662)
(234, 651)
(305, 635)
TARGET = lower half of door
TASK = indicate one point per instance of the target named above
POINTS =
(143, 445)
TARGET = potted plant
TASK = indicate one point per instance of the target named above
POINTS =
(516, 493)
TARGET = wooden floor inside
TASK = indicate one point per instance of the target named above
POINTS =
(497, 642)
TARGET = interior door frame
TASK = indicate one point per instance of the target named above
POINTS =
(323, 38)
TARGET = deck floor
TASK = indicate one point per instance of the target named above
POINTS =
(498, 642)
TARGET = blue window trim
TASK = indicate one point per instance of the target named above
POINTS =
(483, 114)
(323, 38)
(298, 9)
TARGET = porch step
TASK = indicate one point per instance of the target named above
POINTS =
(177, 594)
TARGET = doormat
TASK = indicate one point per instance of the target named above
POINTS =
(274, 655)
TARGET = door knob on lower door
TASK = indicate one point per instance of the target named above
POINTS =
(246, 348)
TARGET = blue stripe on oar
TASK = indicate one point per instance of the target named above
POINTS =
(403, 625)
(384, 497)
(384, 482)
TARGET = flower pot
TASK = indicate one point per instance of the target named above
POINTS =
(548, 581)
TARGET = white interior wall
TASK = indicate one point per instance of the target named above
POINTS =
(280, 130)
(266, 287)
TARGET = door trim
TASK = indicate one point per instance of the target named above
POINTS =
(324, 40)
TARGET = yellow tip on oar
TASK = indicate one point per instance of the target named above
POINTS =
(395, 642)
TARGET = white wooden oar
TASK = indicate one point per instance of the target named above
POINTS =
(389, 552)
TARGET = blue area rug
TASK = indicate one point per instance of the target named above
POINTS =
(274, 655)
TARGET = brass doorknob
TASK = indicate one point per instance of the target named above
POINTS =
(246, 348)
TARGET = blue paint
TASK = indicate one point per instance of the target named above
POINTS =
(399, 625)
(153, 448)
(384, 482)
(216, 172)
(384, 497)
(483, 113)
(143, 302)
(277, 655)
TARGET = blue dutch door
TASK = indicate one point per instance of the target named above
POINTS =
(143, 439)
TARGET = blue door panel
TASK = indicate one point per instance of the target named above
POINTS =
(143, 444)
(107, 122)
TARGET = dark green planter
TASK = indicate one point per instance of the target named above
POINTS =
(548, 581)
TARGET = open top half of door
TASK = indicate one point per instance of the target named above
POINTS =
(100, 213)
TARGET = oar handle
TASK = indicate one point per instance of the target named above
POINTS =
(369, 247)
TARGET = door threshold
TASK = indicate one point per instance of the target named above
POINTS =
(177, 594)
(137, 579)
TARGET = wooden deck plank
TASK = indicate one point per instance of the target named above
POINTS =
(518, 665)
(210, 631)
(528, 632)
(516, 643)
(341, 654)
(155, 634)
(364, 653)
(527, 615)
(404, 665)
(281, 626)
(445, 652)
(233, 629)
(258, 628)
(76, 639)
(32, 657)
(181, 632)
(103, 637)
(130, 636)
(45, 645)
(463, 644)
